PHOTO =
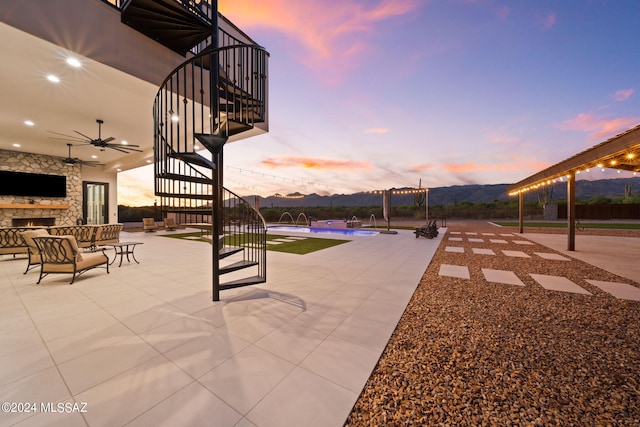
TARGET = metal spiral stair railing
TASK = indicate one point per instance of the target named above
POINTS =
(201, 104)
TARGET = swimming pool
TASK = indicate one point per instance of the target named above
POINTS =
(339, 231)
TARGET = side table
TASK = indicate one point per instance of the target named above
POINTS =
(122, 249)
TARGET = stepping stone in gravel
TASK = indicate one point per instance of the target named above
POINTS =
(557, 283)
(471, 233)
(460, 271)
(518, 254)
(454, 249)
(507, 234)
(296, 238)
(618, 290)
(481, 251)
(556, 257)
(455, 232)
(501, 276)
(455, 239)
(471, 239)
(497, 241)
(273, 242)
(488, 234)
(522, 242)
(287, 240)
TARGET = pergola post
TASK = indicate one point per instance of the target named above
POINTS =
(521, 211)
(571, 212)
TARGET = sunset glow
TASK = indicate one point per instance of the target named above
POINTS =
(385, 93)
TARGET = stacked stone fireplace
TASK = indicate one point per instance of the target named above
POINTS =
(40, 210)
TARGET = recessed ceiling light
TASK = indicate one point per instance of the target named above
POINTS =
(94, 156)
(28, 123)
(53, 79)
(118, 170)
(124, 142)
(148, 161)
(16, 145)
(74, 62)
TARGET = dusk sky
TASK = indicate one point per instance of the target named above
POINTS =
(374, 94)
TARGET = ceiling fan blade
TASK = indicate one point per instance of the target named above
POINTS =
(108, 139)
(89, 138)
(118, 149)
(128, 147)
(62, 134)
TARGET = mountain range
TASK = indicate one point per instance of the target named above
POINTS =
(475, 193)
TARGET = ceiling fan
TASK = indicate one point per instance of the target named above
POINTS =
(99, 142)
(70, 161)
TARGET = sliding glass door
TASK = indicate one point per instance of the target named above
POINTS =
(95, 205)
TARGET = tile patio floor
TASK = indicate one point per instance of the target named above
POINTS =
(145, 345)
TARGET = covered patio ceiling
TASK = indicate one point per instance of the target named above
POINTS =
(620, 152)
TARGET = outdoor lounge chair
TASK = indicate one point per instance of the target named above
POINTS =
(149, 224)
(33, 252)
(61, 254)
(170, 224)
(429, 231)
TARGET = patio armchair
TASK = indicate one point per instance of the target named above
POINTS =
(170, 224)
(33, 253)
(149, 224)
(61, 254)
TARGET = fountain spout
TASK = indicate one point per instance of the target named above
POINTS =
(302, 215)
(285, 214)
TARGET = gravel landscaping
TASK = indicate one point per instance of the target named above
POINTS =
(472, 352)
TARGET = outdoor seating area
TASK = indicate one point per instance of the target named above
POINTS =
(87, 236)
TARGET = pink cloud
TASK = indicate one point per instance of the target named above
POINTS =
(326, 30)
(315, 163)
(377, 131)
(503, 12)
(511, 166)
(549, 21)
(599, 127)
(622, 94)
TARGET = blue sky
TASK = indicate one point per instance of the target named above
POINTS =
(368, 95)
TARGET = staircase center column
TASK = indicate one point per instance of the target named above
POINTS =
(217, 158)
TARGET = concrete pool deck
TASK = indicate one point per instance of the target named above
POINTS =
(145, 345)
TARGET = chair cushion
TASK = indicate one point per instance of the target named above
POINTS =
(30, 234)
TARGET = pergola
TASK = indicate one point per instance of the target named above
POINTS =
(620, 152)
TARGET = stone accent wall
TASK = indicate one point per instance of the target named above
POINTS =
(38, 163)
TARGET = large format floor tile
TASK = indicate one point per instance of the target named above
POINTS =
(145, 344)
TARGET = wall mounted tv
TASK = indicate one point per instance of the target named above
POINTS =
(32, 184)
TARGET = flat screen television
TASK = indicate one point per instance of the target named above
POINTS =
(32, 184)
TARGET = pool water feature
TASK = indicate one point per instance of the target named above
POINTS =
(313, 230)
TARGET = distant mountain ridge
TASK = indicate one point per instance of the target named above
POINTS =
(475, 193)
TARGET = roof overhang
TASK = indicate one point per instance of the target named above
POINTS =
(620, 152)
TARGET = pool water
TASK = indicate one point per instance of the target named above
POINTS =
(338, 231)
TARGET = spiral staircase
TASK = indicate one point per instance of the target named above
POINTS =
(218, 93)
